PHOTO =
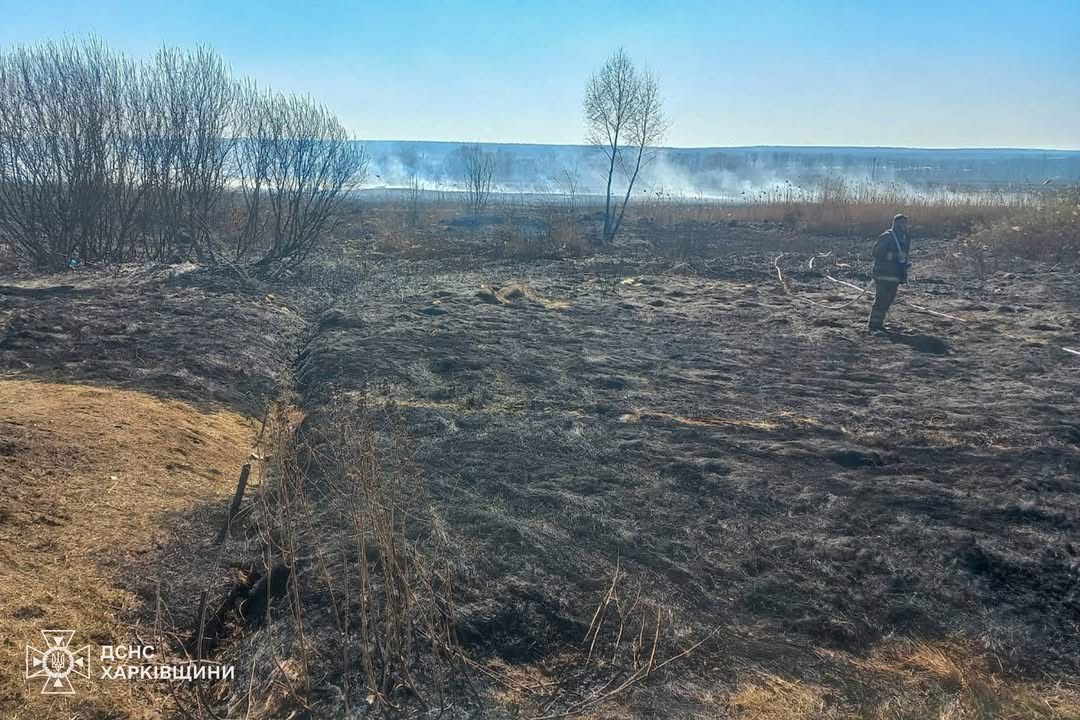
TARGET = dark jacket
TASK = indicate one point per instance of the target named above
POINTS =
(891, 257)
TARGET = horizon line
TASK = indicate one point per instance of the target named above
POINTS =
(943, 148)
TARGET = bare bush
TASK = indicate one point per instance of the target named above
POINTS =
(311, 166)
(414, 195)
(189, 111)
(478, 169)
(568, 181)
(68, 171)
(106, 159)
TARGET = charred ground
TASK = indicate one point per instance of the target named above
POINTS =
(802, 496)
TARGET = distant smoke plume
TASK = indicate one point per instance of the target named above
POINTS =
(720, 172)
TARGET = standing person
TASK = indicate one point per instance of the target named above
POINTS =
(890, 268)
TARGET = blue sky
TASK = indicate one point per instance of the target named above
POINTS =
(914, 73)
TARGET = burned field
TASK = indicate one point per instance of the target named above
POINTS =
(755, 464)
(839, 524)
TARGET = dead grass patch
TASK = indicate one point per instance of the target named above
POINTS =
(836, 206)
(86, 475)
(1048, 230)
(516, 291)
(784, 419)
(506, 405)
(953, 680)
(771, 697)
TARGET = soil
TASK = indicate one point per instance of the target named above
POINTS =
(799, 496)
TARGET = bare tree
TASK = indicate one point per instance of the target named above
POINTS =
(253, 152)
(191, 105)
(478, 167)
(624, 116)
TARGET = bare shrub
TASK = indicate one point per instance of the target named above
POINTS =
(305, 166)
(108, 159)
(190, 107)
(478, 167)
(568, 181)
(414, 202)
(68, 172)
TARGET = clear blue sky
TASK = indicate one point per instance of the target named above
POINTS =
(866, 72)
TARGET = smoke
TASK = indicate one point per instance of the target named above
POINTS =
(718, 173)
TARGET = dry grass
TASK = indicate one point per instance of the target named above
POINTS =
(783, 420)
(1048, 230)
(569, 236)
(519, 291)
(770, 697)
(344, 512)
(845, 208)
(86, 475)
(1033, 222)
(957, 680)
(949, 680)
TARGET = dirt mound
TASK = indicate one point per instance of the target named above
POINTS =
(88, 479)
(199, 336)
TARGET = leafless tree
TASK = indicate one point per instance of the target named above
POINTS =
(253, 152)
(189, 135)
(624, 116)
(478, 167)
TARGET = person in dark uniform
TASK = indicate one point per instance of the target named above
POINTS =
(890, 268)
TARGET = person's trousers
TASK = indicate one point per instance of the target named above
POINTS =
(884, 294)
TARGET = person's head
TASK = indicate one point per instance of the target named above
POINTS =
(899, 222)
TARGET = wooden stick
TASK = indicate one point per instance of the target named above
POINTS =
(235, 506)
(202, 626)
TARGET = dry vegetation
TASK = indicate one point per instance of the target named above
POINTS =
(1048, 229)
(846, 209)
(989, 227)
(647, 518)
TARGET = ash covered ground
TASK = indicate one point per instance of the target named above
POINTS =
(795, 492)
